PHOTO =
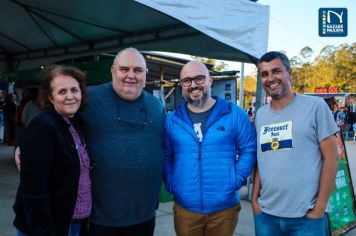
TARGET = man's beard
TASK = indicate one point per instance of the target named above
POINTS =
(198, 102)
(280, 94)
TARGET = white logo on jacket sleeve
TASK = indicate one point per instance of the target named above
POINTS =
(276, 136)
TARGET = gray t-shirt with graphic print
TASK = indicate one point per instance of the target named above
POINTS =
(288, 154)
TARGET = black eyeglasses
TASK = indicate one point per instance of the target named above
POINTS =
(199, 79)
(139, 122)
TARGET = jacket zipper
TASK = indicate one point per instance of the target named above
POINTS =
(200, 176)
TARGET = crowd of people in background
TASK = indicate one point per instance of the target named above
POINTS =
(344, 117)
(346, 120)
(9, 105)
(14, 115)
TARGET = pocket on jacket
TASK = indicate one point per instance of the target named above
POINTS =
(171, 186)
(233, 179)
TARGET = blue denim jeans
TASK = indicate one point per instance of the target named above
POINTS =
(74, 231)
(268, 225)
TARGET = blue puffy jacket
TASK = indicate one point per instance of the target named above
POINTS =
(205, 176)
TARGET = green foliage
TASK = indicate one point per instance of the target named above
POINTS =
(249, 89)
(334, 66)
(249, 84)
(216, 65)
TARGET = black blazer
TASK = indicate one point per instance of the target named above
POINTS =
(49, 177)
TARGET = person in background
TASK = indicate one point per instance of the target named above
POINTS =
(331, 104)
(202, 140)
(348, 122)
(123, 125)
(340, 119)
(296, 156)
(31, 109)
(10, 118)
(54, 194)
(2, 107)
(24, 99)
(251, 114)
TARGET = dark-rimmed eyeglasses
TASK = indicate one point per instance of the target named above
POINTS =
(139, 122)
(199, 79)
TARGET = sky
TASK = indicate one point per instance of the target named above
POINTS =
(294, 25)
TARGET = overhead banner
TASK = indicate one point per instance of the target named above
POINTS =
(343, 214)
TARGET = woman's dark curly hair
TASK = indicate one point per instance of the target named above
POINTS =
(47, 76)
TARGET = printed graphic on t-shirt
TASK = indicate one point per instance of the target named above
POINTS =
(197, 129)
(276, 136)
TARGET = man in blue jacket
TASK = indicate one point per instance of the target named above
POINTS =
(210, 150)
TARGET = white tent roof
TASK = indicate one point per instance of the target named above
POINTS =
(37, 32)
(240, 24)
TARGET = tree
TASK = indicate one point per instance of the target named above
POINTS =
(216, 64)
(249, 88)
(296, 61)
(306, 54)
(249, 83)
(334, 66)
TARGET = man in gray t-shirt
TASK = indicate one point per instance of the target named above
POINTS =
(296, 154)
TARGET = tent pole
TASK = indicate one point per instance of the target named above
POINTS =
(241, 94)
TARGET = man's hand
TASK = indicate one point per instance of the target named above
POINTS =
(256, 192)
(315, 213)
(255, 207)
(17, 158)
